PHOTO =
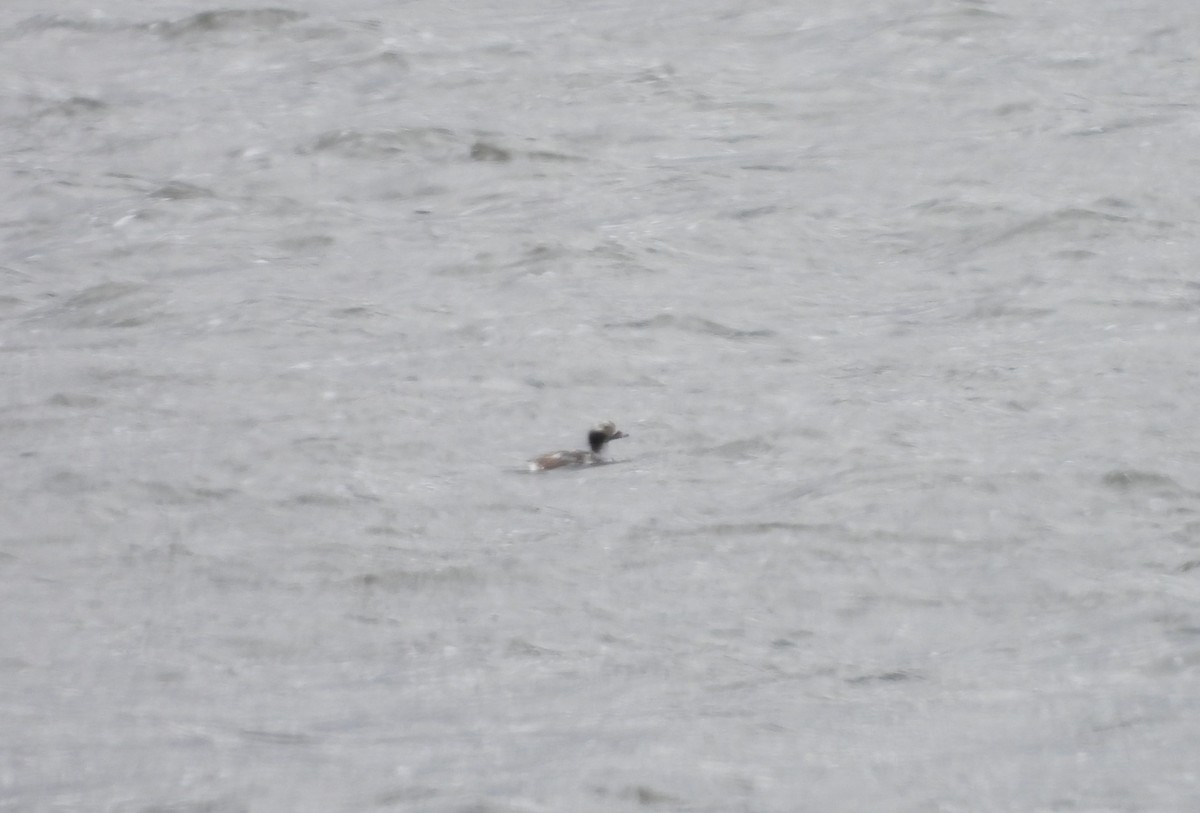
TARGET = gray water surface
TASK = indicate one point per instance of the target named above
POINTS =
(897, 301)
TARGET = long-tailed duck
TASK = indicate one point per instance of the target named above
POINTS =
(597, 437)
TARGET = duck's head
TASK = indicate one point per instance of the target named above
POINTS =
(602, 434)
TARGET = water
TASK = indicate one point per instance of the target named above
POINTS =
(897, 302)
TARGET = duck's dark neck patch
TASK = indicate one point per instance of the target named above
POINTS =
(597, 439)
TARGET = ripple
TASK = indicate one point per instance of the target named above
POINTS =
(107, 305)
(223, 805)
(227, 20)
(51, 22)
(181, 190)
(433, 142)
(483, 151)
(693, 324)
(1134, 480)
(75, 399)
(407, 581)
(897, 676)
(277, 737)
(70, 108)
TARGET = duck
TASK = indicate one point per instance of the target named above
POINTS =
(598, 436)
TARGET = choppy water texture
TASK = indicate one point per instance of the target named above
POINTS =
(897, 300)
